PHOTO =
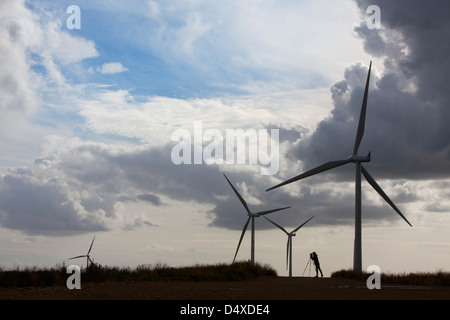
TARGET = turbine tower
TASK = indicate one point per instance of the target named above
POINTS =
(357, 160)
(289, 242)
(88, 258)
(251, 216)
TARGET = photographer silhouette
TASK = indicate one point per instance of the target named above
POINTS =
(315, 258)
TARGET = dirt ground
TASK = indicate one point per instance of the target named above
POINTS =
(270, 288)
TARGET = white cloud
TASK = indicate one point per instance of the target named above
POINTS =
(18, 31)
(153, 9)
(112, 68)
(288, 43)
(154, 120)
(64, 47)
(36, 55)
(27, 42)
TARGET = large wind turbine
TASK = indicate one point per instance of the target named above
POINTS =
(251, 216)
(86, 255)
(355, 158)
(289, 242)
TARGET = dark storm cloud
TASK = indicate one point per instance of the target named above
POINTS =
(424, 26)
(231, 214)
(77, 186)
(150, 198)
(77, 190)
(408, 108)
(40, 208)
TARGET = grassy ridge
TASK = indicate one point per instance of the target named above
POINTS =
(439, 278)
(58, 275)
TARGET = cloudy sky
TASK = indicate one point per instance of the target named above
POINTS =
(88, 115)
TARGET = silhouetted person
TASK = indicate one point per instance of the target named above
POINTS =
(315, 258)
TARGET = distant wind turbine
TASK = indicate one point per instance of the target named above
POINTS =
(289, 242)
(355, 158)
(251, 216)
(86, 255)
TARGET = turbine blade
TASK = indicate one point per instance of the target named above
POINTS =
(77, 257)
(277, 225)
(319, 169)
(380, 191)
(301, 225)
(238, 195)
(273, 210)
(362, 116)
(91, 245)
(242, 236)
(91, 260)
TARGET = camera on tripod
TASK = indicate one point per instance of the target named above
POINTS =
(310, 261)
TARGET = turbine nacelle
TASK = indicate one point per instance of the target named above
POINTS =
(356, 158)
(263, 213)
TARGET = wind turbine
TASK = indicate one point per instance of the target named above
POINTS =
(86, 255)
(251, 216)
(357, 160)
(289, 242)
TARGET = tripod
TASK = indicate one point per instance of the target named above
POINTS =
(308, 263)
